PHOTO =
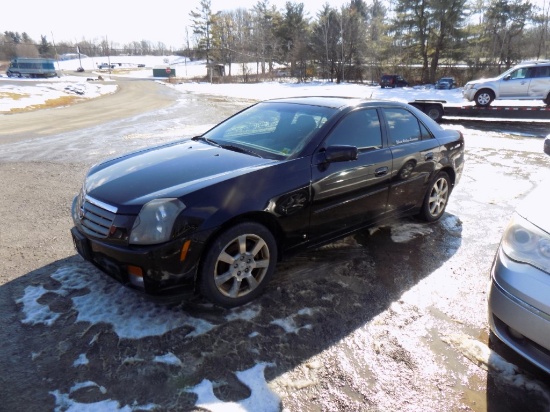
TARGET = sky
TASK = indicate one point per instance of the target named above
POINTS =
(120, 21)
(123, 21)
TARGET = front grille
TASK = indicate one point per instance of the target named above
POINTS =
(95, 218)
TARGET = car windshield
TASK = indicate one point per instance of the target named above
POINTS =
(271, 129)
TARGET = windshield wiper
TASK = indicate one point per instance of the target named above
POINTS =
(239, 149)
(205, 139)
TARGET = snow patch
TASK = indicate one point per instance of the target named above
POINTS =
(262, 398)
(106, 301)
(405, 232)
(169, 359)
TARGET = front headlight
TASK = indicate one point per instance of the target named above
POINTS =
(468, 86)
(526, 243)
(155, 221)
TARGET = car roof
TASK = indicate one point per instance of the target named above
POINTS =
(532, 63)
(335, 102)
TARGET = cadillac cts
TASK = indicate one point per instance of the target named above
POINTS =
(213, 214)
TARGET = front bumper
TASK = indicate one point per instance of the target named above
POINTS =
(156, 270)
(518, 314)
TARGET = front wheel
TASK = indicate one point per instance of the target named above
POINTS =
(238, 265)
(484, 97)
(436, 198)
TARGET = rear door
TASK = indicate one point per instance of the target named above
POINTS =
(415, 152)
(539, 88)
(348, 194)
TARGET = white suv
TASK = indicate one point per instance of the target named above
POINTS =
(526, 81)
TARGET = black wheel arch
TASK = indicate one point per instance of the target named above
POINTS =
(451, 173)
(263, 224)
(262, 218)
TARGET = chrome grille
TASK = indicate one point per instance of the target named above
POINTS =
(96, 218)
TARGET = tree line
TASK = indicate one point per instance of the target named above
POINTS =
(420, 39)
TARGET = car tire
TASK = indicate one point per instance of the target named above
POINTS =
(484, 97)
(547, 100)
(436, 198)
(238, 265)
(435, 112)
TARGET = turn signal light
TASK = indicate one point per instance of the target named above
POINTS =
(135, 275)
(184, 250)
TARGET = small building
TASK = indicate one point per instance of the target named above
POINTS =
(215, 70)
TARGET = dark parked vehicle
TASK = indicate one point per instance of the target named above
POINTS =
(445, 83)
(519, 297)
(216, 212)
(393, 80)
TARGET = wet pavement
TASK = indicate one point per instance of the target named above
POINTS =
(393, 318)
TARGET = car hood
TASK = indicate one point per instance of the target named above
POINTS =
(490, 79)
(534, 207)
(172, 170)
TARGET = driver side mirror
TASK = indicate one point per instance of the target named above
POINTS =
(341, 153)
(507, 77)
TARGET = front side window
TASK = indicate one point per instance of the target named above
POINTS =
(360, 128)
(520, 73)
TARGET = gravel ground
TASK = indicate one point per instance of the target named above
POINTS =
(374, 322)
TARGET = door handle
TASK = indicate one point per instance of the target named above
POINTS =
(381, 171)
(429, 156)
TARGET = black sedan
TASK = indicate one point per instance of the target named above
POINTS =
(215, 213)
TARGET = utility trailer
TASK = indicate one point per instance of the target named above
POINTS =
(437, 109)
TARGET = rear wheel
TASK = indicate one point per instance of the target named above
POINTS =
(547, 100)
(484, 97)
(238, 265)
(436, 198)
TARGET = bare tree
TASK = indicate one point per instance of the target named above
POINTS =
(325, 38)
(265, 20)
(506, 21)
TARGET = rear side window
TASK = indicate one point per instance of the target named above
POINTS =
(404, 127)
(542, 71)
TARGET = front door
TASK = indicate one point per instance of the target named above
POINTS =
(516, 84)
(349, 194)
